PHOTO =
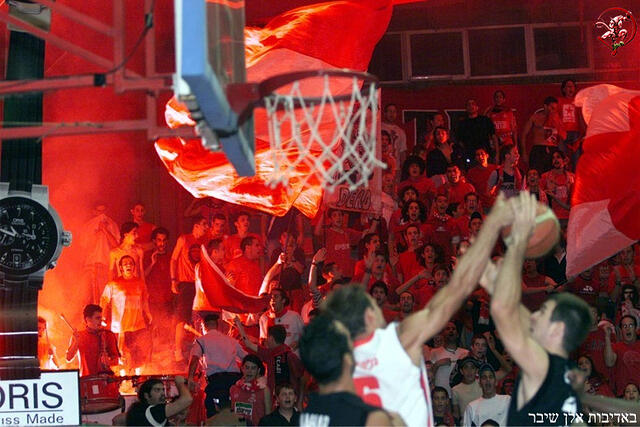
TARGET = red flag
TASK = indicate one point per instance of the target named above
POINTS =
(222, 294)
(336, 34)
(606, 198)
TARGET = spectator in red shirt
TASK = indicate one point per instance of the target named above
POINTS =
(558, 184)
(338, 240)
(379, 292)
(96, 347)
(587, 286)
(405, 195)
(377, 269)
(623, 356)
(283, 366)
(144, 228)
(595, 383)
(440, 228)
(478, 176)
(413, 174)
(456, 186)
(594, 344)
(625, 273)
(570, 116)
(420, 281)
(535, 286)
(503, 119)
(250, 395)
(370, 243)
(233, 243)
(408, 259)
(245, 269)
(469, 206)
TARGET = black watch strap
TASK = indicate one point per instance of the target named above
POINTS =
(19, 329)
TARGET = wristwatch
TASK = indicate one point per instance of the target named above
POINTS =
(31, 240)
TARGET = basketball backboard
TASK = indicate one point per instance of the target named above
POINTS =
(210, 56)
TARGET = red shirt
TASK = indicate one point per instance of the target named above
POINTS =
(534, 301)
(425, 187)
(232, 246)
(621, 274)
(387, 277)
(457, 191)
(251, 396)
(479, 178)
(338, 244)
(276, 358)
(627, 367)
(144, 232)
(588, 290)
(568, 114)
(594, 345)
(248, 277)
(423, 290)
(90, 344)
(439, 231)
(159, 278)
(561, 188)
(505, 123)
(407, 263)
(185, 268)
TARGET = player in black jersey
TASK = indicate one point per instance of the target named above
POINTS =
(539, 342)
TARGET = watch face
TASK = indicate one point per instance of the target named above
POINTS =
(28, 235)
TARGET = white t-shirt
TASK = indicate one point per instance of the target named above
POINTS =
(291, 321)
(443, 373)
(481, 410)
(385, 376)
(221, 352)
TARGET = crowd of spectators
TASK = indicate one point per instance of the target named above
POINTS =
(436, 195)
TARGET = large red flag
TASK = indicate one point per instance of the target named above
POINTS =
(222, 294)
(336, 34)
(606, 199)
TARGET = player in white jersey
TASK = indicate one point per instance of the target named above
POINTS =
(390, 370)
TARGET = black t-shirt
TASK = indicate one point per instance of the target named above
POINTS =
(475, 133)
(555, 397)
(336, 409)
(140, 414)
(436, 163)
(275, 419)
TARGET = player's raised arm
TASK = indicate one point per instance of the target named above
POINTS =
(424, 324)
(507, 293)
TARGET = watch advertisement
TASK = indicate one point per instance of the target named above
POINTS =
(51, 400)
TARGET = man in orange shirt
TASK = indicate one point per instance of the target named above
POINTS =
(456, 186)
(245, 269)
(144, 228)
(182, 268)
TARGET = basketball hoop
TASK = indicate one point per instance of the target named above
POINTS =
(324, 121)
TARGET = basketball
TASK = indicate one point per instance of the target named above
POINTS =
(545, 235)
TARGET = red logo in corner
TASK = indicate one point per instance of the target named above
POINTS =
(619, 27)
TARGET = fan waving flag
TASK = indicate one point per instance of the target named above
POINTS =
(606, 199)
(331, 35)
(222, 294)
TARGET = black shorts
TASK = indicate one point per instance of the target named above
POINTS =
(540, 158)
(183, 302)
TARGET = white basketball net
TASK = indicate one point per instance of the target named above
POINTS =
(334, 139)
